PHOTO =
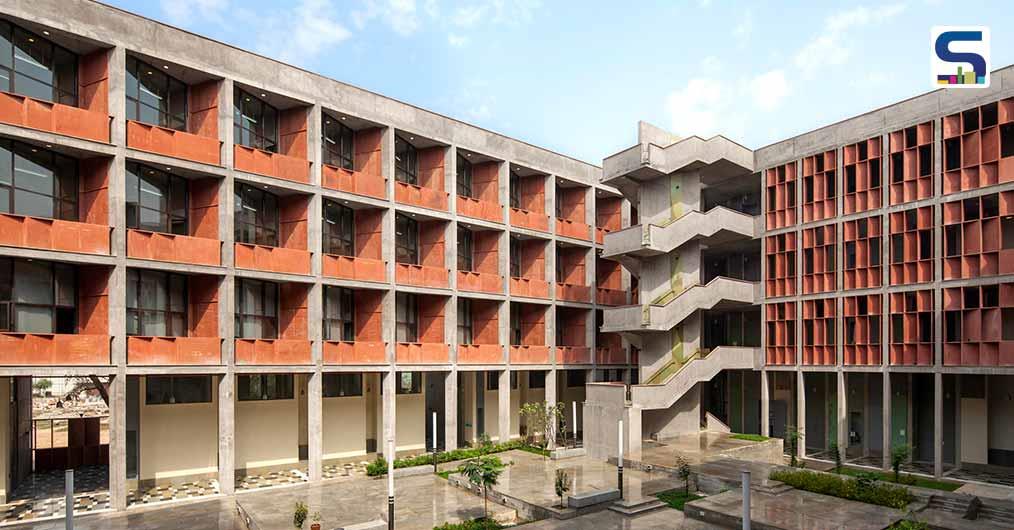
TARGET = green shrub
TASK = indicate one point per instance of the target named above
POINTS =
(862, 490)
(473, 524)
(909, 524)
(906, 479)
(676, 499)
(749, 437)
(379, 466)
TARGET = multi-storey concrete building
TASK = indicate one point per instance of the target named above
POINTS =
(854, 284)
(274, 270)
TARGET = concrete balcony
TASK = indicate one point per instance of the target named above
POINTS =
(529, 287)
(652, 240)
(610, 355)
(353, 268)
(479, 209)
(573, 293)
(273, 351)
(530, 220)
(52, 349)
(421, 353)
(678, 376)
(354, 353)
(605, 296)
(673, 308)
(158, 246)
(480, 282)
(173, 351)
(573, 355)
(24, 111)
(648, 160)
(421, 275)
(480, 354)
(170, 142)
(529, 354)
(271, 164)
(356, 182)
(53, 234)
(573, 229)
(272, 259)
(413, 195)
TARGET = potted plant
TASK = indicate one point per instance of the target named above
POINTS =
(315, 518)
(299, 516)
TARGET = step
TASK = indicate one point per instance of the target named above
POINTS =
(631, 508)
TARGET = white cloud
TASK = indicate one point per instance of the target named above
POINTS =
(698, 108)
(769, 89)
(707, 106)
(399, 15)
(184, 11)
(831, 46)
(302, 33)
(744, 28)
(468, 16)
(457, 40)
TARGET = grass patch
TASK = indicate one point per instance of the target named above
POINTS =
(446, 475)
(676, 499)
(379, 466)
(906, 479)
(750, 437)
(535, 450)
(472, 524)
(860, 489)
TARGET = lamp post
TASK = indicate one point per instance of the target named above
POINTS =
(619, 459)
(746, 499)
(573, 428)
(390, 484)
(434, 441)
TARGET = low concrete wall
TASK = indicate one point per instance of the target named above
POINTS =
(770, 451)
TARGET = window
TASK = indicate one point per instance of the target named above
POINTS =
(339, 323)
(464, 249)
(35, 67)
(37, 296)
(156, 304)
(255, 123)
(264, 387)
(37, 183)
(558, 202)
(575, 378)
(406, 241)
(493, 380)
(339, 229)
(515, 257)
(170, 389)
(342, 385)
(256, 216)
(156, 200)
(515, 323)
(256, 309)
(464, 321)
(406, 161)
(337, 141)
(464, 177)
(154, 97)
(408, 383)
(537, 379)
(515, 189)
(406, 317)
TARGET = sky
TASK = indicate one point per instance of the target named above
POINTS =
(576, 77)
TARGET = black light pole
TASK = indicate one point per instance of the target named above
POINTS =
(619, 460)
(390, 484)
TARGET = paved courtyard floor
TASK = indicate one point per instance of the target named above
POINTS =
(664, 519)
(696, 449)
(801, 510)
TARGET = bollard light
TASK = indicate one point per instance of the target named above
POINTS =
(390, 484)
(434, 441)
(69, 499)
(619, 458)
(746, 499)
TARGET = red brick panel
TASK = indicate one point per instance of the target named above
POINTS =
(353, 268)
(571, 222)
(53, 234)
(480, 354)
(46, 349)
(862, 180)
(525, 354)
(780, 319)
(273, 351)
(272, 259)
(203, 207)
(976, 319)
(367, 177)
(911, 246)
(573, 355)
(863, 330)
(533, 194)
(354, 353)
(978, 236)
(485, 276)
(862, 249)
(979, 146)
(431, 319)
(293, 211)
(429, 193)
(573, 323)
(819, 192)
(369, 315)
(533, 324)
(203, 305)
(93, 190)
(819, 268)
(485, 203)
(170, 142)
(609, 349)
(203, 109)
(421, 353)
(171, 351)
(485, 322)
(93, 299)
(912, 325)
(819, 338)
(609, 283)
(271, 164)
(781, 265)
(158, 246)
(293, 316)
(781, 196)
(911, 163)
(23, 111)
(93, 81)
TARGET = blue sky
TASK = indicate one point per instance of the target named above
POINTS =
(575, 77)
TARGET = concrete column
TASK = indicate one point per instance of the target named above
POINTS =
(938, 424)
(389, 396)
(765, 408)
(801, 413)
(843, 414)
(886, 434)
(227, 434)
(504, 399)
(315, 423)
(451, 410)
(551, 397)
(118, 441)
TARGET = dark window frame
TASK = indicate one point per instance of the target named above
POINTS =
(514, 256)
(345, 321)
(63, 171)
(172, 380)
(171, 220)
(406, 161)
(260, 133)
(406, 239)
(269, 312)
(465, 329)
(339, 385)
(141, 75)
(466, 257)
(464, 177)
(64, 315)
(339, 232)
(407, 319)
(61, 63)
(265, 229)
(514, 189)
(338, 142)
(172, 317)
(413, 386)
(272, 387)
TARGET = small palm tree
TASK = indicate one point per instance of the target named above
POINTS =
(562, 484)
(483, 471)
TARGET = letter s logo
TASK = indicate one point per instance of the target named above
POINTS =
(960, 56)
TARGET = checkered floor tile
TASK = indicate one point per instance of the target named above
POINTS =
(267, 480)
(173, 492)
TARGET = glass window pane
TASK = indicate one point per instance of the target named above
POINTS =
(65, 286)
(34, 319)
(33, 282)
(153, 323)
(33, 204)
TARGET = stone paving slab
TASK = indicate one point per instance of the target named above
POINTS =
(794, 510)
